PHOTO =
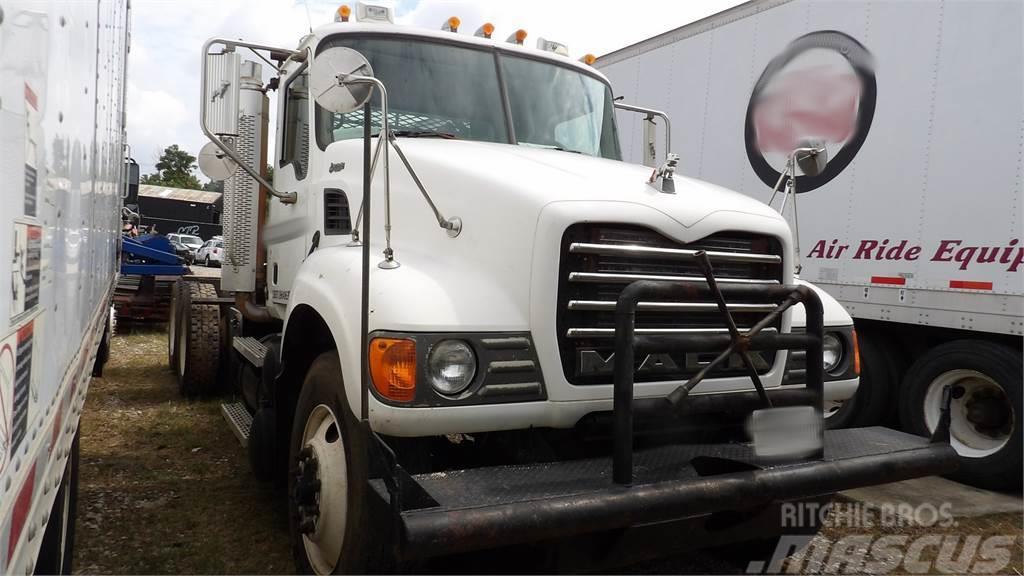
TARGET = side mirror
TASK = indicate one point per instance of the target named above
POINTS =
(215, 163)
(335, 80)
(131, 185)
(220, 93)
(811, 157)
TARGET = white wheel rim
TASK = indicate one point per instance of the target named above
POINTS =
(182, 349)
(967, 437)
(322, 435)
(172, 324)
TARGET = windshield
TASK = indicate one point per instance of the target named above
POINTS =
(190, 240)
(453, 91)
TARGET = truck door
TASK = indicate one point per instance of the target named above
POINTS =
(287, 250)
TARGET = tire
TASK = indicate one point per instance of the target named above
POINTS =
(985, 423)
(103, 351)
(325, 428)
(56, 550)
(878, 378)
(198, 342)
(207, 264)
(173, 321)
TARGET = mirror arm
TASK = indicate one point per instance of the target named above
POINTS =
(284, 197)
(651, 113)
(373, 172)
(452, 225)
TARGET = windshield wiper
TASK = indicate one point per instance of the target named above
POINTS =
(425, 134)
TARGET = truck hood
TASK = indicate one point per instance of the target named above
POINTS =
(544, 175)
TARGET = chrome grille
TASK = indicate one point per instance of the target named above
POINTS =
(599, 260)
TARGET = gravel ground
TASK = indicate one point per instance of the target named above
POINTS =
(166, 489)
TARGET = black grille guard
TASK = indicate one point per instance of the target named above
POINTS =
(450, 512)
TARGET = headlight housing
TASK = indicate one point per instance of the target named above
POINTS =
(832, 346)
(451, 366)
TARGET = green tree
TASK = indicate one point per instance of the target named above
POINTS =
(174, 169)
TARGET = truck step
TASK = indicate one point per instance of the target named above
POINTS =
(239, 420)
(251, 349)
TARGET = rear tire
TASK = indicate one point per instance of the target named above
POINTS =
(985, 423)
(198, 342)
(327, 442)
(56, 550)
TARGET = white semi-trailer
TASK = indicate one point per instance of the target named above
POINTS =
(62, 70)
(915, 223)
(456, 320)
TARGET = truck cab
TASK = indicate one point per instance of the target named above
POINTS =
(510, 295)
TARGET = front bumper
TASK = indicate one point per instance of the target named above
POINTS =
(458, 511)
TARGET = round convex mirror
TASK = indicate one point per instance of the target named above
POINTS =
(331, 81)
(215, 163)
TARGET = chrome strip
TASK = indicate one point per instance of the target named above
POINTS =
(628, 278)
(669, 253)
(610, 332)
(602, 305)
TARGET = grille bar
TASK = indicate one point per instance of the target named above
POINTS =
(616, 278)
(609, 305)
(668, 253)
(610, 332)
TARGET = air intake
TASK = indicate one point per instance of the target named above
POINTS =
(337, 218)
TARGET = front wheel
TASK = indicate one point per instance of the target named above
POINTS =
(985, 423)
(327, 477)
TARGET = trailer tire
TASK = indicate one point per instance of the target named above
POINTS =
(985, 425)
(198, 341)
(327, 442)
(56, 550)
(173, 322)
(103, 351)
(878, 378)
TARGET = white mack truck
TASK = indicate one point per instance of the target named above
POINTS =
(456, 320)
(62, 174)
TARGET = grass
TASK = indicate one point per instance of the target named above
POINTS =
(164, 485)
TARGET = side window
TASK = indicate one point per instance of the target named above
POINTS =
(295, 149)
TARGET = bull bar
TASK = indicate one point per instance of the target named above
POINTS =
(457, 511)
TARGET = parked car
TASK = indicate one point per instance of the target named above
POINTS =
(192, 241)
(211, 252)
(182, 250)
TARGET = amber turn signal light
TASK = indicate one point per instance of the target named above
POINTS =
(856, 354)
(393, 368)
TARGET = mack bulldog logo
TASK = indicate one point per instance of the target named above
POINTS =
(821, 88)
(592, 362)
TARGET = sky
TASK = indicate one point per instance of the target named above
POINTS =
(167, 38)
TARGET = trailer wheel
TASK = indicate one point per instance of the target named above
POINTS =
(173, 321)
(874, 395)
(55, 553)
(985, 421)
(327, 477)
(198, 341)
(103, 351)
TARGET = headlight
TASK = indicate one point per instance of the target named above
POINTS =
(833, 349)
(451, 366)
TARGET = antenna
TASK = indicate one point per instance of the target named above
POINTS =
(308, 19)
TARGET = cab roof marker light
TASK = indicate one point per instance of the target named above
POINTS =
(484, 31)
(517, 37)
(451, 24)
(549, 46)
(588, 59)
(342, 13)
(374, 12)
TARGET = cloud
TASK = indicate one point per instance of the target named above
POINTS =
(167, 38)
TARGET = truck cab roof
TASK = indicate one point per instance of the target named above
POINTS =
(466, 39)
